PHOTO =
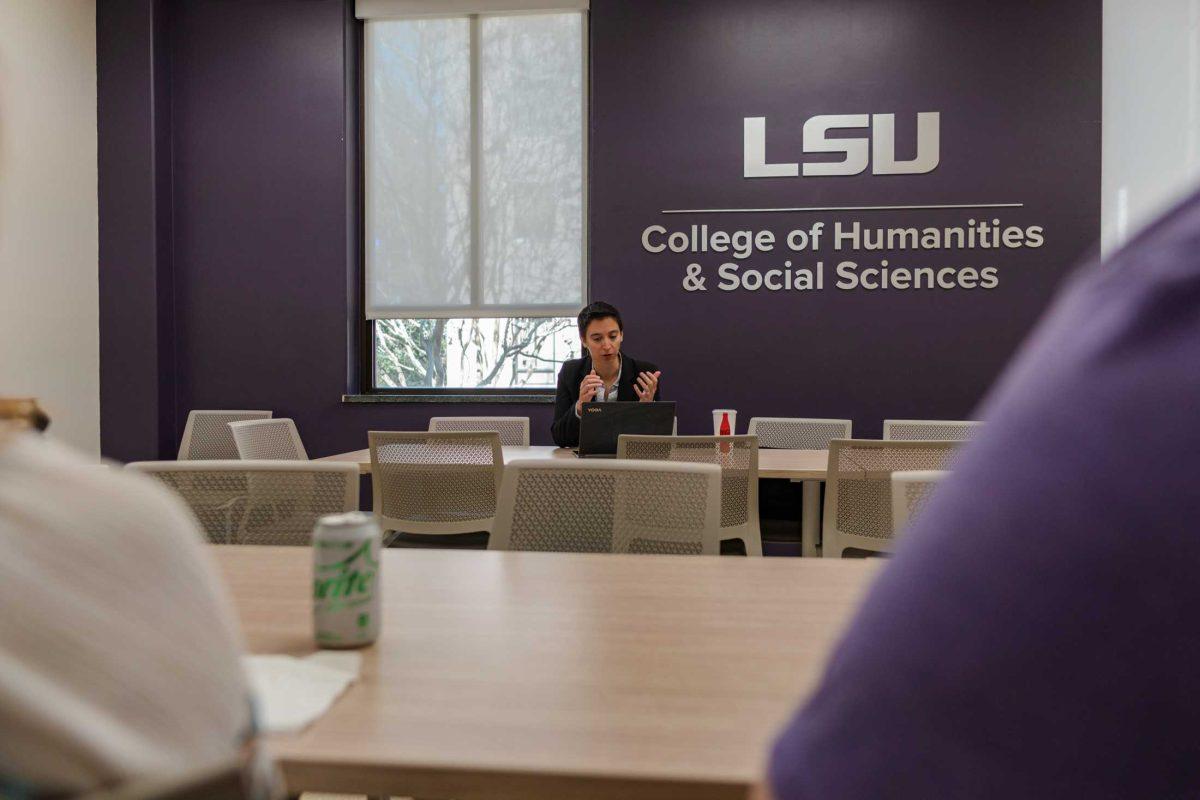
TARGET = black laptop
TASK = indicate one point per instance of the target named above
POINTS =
(601, 423)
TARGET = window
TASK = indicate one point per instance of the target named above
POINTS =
(474, 215)
(513, 352)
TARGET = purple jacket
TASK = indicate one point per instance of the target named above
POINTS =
(1038, 633)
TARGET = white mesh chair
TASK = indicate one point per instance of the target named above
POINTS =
(609, 506)
(276, 439)
(514, 431)
(858, 490)
(795, 433)
(798, 433)
(207, 436)
(737, 456)
(427, 482)
(258, 502)
(929, 430)
(910, 488)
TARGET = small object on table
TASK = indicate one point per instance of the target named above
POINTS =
(346, 580)
(291, 693)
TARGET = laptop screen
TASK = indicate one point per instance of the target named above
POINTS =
(601, 423)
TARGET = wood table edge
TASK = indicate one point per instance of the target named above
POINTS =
(461, 783)
(363, 459)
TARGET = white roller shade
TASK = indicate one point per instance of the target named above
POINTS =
(418, 165)
(475, 166)
(392, 9)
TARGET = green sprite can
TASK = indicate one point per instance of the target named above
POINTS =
(346, 580)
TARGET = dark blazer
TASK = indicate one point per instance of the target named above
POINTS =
(565, 429)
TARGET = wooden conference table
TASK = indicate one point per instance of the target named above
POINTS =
(804, 466)
(555, 675)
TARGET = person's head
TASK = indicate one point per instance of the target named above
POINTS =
(601, 330)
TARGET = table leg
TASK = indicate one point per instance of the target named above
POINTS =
(810, 518)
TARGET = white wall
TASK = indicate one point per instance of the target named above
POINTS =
(49, 303)
(1151, 124)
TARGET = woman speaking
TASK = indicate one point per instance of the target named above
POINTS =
(604, 374)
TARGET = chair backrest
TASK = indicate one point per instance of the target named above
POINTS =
(206, 436)
(431, 482)
(259, 502)
(737, 456)
(910, 488)
(798, 433)
(858, 489)
(609, 506)
(260, 439)
(929, 430)
(514, 431)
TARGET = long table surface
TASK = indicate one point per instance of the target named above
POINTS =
(796, 465)
(555, 675)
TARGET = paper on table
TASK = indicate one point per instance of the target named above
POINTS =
(291, 693)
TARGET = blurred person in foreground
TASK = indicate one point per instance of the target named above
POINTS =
(119, 655)
(1037, 633)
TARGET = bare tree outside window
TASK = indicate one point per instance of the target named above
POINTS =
(517, 352)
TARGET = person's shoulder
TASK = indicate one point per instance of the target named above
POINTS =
(111, 566)
(572, 365)
(127, 527)
(132, 509)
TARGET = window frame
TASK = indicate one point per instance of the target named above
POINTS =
(365, 335)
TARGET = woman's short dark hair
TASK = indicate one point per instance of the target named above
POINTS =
(598, 310)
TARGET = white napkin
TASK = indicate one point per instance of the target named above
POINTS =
(290, 692)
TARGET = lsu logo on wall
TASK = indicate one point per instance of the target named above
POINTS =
(876, 150)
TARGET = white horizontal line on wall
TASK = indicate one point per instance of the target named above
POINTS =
(837, 208)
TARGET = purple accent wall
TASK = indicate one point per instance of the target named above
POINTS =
(262, 247)
(137, 385)
(1018, 88)
(237, 292)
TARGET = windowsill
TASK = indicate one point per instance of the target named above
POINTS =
(434, 399)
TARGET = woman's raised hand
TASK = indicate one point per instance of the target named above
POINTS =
(647, 385)
(587, 390)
